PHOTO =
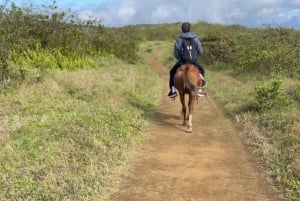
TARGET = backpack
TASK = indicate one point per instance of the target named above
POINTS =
(189, 52)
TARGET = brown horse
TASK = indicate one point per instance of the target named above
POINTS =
(187, 81)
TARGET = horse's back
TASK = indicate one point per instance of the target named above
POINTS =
(193, 74)
(187, 74)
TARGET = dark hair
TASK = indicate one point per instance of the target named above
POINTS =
(186, 27)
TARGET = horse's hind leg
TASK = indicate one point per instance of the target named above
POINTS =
(189, 130)
(191, 105)
(182, 100)
(184, 115)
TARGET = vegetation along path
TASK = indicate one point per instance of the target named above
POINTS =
(210, 164)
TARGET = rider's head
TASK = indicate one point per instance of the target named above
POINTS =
(186, 27)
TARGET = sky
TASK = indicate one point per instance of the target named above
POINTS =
(249, 13)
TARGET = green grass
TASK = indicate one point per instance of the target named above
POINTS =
(70, 136)
(53, 59)
(272, 133)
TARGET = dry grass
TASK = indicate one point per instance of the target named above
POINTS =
(71, 136)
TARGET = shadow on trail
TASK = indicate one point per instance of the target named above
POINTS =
(167, 120)
(160, 118)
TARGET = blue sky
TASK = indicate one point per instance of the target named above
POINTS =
(253, 13)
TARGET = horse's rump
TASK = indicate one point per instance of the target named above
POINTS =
(187, 78)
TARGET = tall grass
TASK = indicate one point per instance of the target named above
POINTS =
(41, 58)
(70, 136)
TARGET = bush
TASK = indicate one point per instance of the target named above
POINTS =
(217, 49)
(270, 96)
(46, 38)
(269, 52)
(4, 71)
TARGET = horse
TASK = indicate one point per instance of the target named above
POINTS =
(187, 81)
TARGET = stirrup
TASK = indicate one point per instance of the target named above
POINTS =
(201, 76)
(201, 92)
(173, 95)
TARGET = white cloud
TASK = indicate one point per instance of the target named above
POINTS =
(164, 13)
(267, 11)
(295, 2)
(126, 12)
(244, 12)
(288, 18)
(161, 12)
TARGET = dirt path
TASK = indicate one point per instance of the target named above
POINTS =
(208, 165)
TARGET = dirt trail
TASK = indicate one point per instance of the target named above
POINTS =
(210, 164)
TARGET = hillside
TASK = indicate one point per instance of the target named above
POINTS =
(74, 105)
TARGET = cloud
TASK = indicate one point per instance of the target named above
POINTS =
(125, 12)
(295, 2)
(289, 18)
(161, 12)
(243, 12)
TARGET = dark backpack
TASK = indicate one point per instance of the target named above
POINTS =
(189, 52)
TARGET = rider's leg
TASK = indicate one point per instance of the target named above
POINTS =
(202, 73)
(171, 80)
(201, 69)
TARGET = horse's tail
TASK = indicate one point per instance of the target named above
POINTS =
(192, 88)
(189, 76)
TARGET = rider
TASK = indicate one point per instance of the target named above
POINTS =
(186, 33)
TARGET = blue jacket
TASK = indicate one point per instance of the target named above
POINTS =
(178, 45)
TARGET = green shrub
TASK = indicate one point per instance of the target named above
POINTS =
(44, 37)
(270, 96)
(217, 49)
(4, 68)
(269, 52)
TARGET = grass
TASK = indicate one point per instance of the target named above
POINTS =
(272, 134)
(53, 59)
(71, 136)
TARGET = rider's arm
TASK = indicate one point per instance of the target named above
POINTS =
(177, 48)
(199, 46)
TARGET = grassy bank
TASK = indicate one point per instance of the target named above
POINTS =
(270, 130)
(70, 136)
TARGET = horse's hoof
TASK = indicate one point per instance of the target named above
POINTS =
(188, 131)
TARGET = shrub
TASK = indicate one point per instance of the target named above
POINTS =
(43, 37)
(4, 71)
(217, 49)
(270, 52)
(270, 96)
